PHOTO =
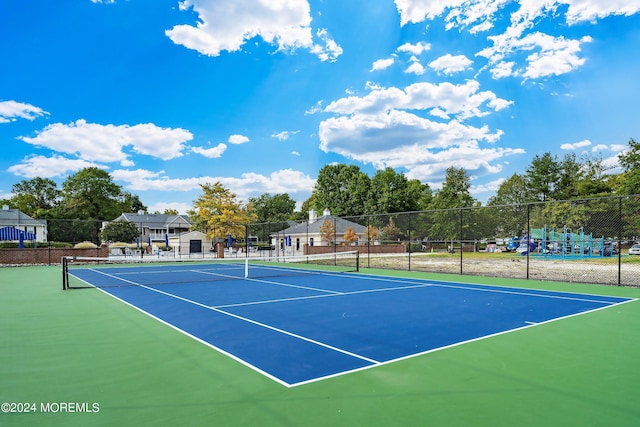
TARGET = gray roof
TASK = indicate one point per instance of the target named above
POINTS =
(314, 227)
(155, 220)
(15, 217)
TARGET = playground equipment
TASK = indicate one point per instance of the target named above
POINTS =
(567, 243)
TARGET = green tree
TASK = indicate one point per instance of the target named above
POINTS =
(392, 192)
(629, 184)
(341, 188)
(91, 194)
(132, 203)
(303, 214)
(543, 176)
(390, 232)
(630, 162)
(454, 194)
(509, 207)
(218, 212)
(119, 231)
(36, 196)
(593, 181)
(270, 208)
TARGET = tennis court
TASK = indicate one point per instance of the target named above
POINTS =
(541, 353)
(300, 324)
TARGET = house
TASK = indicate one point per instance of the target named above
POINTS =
(157, 227)
(292, 240)
(16, 226)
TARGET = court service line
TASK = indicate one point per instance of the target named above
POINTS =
(264, 325)
(270, 282)
(334, 294)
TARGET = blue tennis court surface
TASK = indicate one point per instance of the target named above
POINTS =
(302, 328)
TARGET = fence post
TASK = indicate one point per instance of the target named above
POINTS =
(460, 241)
(619, 241)
(528, 235)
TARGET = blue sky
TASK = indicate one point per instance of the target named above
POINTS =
(261, 94)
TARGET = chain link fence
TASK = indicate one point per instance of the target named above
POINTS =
(586, 241)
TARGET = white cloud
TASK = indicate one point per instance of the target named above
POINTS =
(12, 110)
(238, 139)
(315, 109)
(49, 167)
(331, 50)
(211, 153)
(415, 68)
(575, 145)
(227, 26)
(547, 54)
(503, 69)
(105, 143)
(382, 64)
(295, 153)
(590, 10)
(557, 55)
(450, 64)
(284, 135)
(461, 100)
(490, 187)
(249, 184)
(414, 49)
(384, 128)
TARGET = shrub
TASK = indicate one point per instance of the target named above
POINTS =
(85, 245)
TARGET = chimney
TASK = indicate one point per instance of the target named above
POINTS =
(326, 212)
(312, 216)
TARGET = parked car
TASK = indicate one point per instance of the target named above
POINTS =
(634, 249)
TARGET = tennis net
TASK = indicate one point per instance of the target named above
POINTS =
(85, 272)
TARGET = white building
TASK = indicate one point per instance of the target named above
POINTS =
(14, 223)
(293, 239)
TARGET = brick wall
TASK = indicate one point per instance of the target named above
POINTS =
(15, 256)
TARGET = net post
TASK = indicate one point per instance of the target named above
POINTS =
(246, 268)
(65, 274)
(357, 261)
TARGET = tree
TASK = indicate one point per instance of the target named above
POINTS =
(594, 181)
(454, 194)
(343, 189)
(392, 192)
(543, 176)
(630, 162)
(328, 231)
(219, 213)
(35, 197)
(371, 233)
(510, 206)
(350, 236)
(91, 194)
(132, 203)
(390, 232)
(119, 231)
(455, 191)
(270, 208)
